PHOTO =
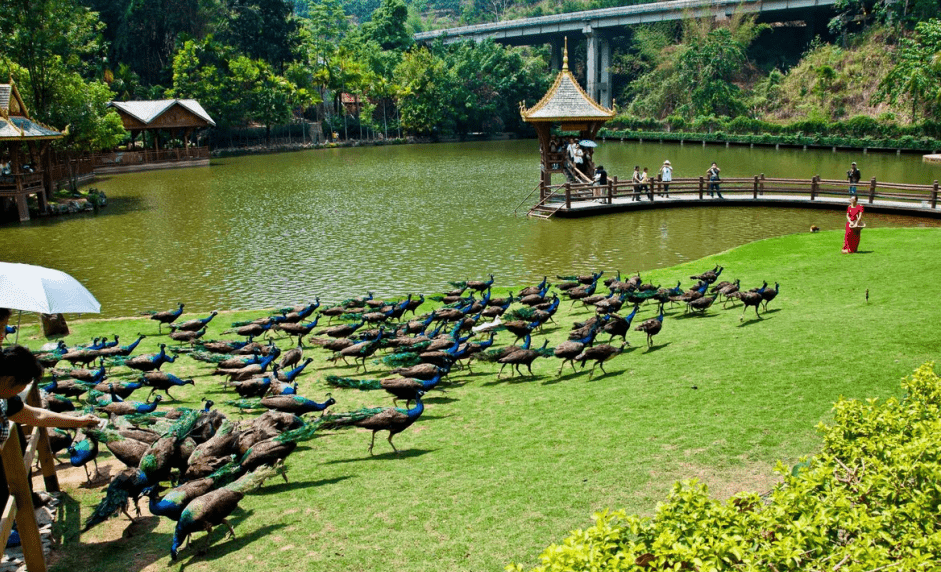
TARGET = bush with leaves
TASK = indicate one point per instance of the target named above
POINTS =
(868, 501)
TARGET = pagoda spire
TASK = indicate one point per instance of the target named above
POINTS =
(565, 55)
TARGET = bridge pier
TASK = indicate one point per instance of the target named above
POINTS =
(597, 66)
(555, 54)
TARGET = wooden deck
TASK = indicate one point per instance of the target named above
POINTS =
(573, 200)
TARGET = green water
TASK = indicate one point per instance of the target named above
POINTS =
(275, 230)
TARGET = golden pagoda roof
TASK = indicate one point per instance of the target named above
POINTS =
(15, 123)
(565, 101)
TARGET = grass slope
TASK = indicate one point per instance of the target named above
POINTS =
(497, 469)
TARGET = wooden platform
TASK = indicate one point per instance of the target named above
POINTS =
(936, 158)
(577, 200)
(581, 209)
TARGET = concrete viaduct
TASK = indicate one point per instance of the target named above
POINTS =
(602, 27)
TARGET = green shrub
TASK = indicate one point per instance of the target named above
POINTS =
(868, 501)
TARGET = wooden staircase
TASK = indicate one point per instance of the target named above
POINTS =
(545, 208)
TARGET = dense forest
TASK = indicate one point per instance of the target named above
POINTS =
(274, 62)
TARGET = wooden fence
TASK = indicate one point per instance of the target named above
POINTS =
(17, 464)
(759, 186)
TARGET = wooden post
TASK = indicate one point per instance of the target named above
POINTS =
(702, 186)
(761, 185)
(934, 195)
(568, 195)
(755, 190)
(22, 497)
(813, 187)
(611, 189)
(46, 460)
(872, 190)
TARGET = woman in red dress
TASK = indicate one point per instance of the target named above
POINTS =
(854, 226)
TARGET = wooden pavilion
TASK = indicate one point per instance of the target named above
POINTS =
(178, 117)
(24, 156)
(566, 104)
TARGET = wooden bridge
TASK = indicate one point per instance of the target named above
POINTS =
(580, 199)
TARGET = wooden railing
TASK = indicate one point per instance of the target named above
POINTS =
(17, 463)
(144, 156)
(759, 186)
(29, 182)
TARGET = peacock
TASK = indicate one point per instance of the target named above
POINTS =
(651, 327)
(83, 452)
(535, 289)
(187, 336)
(567, 351)
(701, 304)
(166, 317)
(299, 329)
(524, 357)
(769, 295)
(399, 387)
(150, 362)
(599, 354)
(194, 325)
(618, 326)
(162, 381)
(392, 419)
(121, 351)
(130, 407)
(293, 404)
(709, 276)
(750, 298)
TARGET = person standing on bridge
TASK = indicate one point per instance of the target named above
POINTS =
(666, 175)
(713, 174)
(853, 175)
(635, 179)
(854, 226)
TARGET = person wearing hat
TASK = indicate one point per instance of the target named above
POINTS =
(853, 175)
(666, 175)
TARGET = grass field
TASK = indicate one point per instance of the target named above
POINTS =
(497, 469)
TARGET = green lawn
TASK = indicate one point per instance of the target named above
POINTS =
(497, 469)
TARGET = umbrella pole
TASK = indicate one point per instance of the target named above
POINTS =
(19, 317)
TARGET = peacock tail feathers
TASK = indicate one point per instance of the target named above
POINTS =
(458, 285)
(404, 359)
(523, 314)
(106, 435)
(242, 323)
(436, 298)
(545, 352)
(350, 317)
(208, 357)
(116, 497)
(342, 419)
(360, 384)
(146, 418)
(491, 355)
(303, 433)
(183, 426)
(253, 480)
(244, 404)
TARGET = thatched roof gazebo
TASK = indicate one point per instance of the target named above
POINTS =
(24, 171)
(566, 104)
(178, 117)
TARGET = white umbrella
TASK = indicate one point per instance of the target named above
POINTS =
(29, 288)
(43, 290)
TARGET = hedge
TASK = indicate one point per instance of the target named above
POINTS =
(868, 501)
(859, 132)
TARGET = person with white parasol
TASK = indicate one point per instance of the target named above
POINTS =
(30, 288)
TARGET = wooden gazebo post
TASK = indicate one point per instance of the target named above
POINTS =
(567, 104)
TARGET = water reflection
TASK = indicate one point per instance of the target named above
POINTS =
(275, 230)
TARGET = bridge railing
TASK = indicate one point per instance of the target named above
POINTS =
(758, 186)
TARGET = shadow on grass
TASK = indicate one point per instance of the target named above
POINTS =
(558, 378)
(750, 321)
(696, 314)
(283, 487)
(213, 546)
(652, 349)
(405, 454)
(440, 400)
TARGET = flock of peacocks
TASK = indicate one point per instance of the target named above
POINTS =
(195, 465)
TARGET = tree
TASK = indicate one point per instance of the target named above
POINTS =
(49, 39)
(387, 26)
(916, 74)
(262, 29)
(423, 80)
(144, 34)
(708, 66)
